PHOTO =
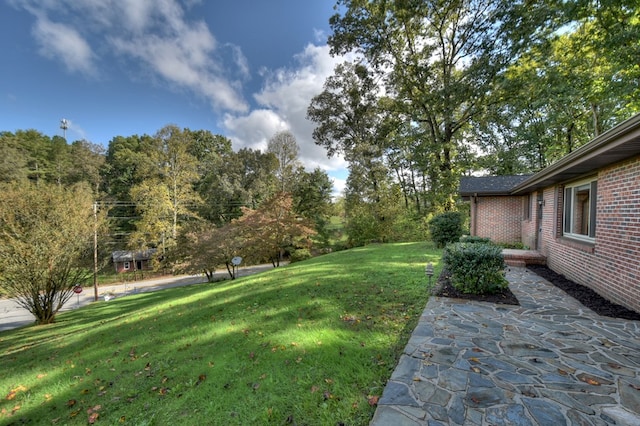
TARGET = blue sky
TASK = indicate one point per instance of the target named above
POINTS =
(245, 69)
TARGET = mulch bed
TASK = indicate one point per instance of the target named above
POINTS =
(585, 295)
(444, 288)
(582, 294)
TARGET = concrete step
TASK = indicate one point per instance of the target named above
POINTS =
(522, 258)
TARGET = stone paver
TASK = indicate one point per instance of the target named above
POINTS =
(549, 361)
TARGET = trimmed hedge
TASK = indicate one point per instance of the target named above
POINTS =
(446, 228)
(475, 239)
(475, 268)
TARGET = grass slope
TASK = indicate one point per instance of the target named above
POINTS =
(311, 343)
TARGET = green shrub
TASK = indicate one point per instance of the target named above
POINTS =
(475, 239)
(299, 255)
(475, 268)
(446, 228)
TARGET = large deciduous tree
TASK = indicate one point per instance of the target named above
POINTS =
(312, 199)
(439, 60)
(272, 228)
(45, 232)
(204, 247)
(285, 148)
(166, 193)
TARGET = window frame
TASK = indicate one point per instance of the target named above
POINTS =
(126, 266)
(568, 210)
(527, 208)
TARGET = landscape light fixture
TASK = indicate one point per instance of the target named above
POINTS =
(428, 270)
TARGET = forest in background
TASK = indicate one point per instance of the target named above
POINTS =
(440, 89)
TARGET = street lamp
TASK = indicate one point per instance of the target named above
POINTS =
(428, 270)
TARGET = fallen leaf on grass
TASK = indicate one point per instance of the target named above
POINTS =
(12, 394)
(373, 400)
(201, 378)
(93, 413)
(71, 402)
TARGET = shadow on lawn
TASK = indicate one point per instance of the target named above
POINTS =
(117, 354)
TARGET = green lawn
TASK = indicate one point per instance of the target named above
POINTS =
(310, 343)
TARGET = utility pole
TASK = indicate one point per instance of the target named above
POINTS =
(95, 251)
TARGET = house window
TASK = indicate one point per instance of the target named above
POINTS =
(527, 207)
(580, 210)
(127, 265)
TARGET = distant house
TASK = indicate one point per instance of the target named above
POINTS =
(582, 213)
(130, 261)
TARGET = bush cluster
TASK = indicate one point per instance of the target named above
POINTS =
(475, 268)
(474, 239)
(299, 255)
(446, 228)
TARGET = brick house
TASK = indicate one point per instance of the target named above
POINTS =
(582, 213)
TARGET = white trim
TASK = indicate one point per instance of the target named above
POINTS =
(592, 199)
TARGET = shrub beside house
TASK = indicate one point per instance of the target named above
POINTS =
(582, 213)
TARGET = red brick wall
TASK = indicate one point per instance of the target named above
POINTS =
(610, 266)
(498, 218)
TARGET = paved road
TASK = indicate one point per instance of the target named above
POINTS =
(13, 316)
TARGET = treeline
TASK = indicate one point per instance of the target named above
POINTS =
(175, 189)
(442, 89)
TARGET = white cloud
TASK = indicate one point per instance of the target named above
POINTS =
(285, 97)
(153, 33)
(338, 187)
(255, 129)
(61, 42)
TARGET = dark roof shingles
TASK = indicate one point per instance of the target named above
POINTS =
(490, 185)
